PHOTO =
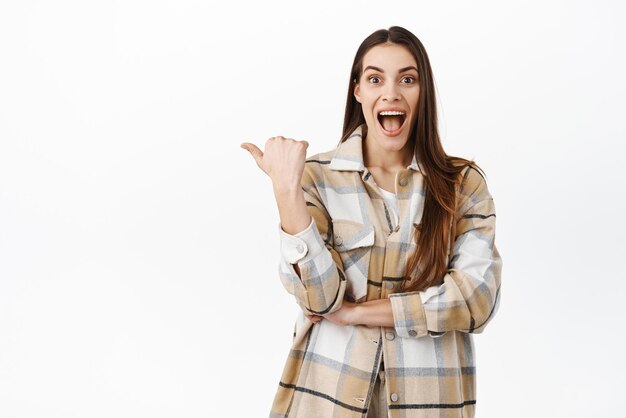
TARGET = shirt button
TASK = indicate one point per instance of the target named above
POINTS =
(390, 335)
(389, 285)
(338, 240)
(394, 397)
(403, 181)
(300, 248)
(412, 333)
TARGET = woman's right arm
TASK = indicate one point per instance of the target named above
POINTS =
(310, 268)
(294, 216)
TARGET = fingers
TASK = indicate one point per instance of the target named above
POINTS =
(284, 138)
(314, 318)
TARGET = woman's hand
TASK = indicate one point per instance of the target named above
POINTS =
(346, 315)
(314, 318)
(283, 160)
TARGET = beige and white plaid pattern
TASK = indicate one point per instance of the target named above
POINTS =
(354, 250)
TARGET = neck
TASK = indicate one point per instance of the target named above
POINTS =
(374, 156)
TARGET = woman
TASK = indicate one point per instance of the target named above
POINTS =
(387, 244)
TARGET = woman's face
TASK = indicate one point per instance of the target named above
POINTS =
(388, 91)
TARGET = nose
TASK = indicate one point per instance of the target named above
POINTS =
(391, 93)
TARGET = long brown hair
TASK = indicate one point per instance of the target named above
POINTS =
(434, 236)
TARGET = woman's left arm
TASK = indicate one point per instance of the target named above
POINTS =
(374, 313)
(469, 296)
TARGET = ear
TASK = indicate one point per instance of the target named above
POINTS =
(357, 93)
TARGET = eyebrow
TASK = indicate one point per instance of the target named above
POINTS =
(380, 70)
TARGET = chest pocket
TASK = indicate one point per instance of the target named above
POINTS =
(354, 241)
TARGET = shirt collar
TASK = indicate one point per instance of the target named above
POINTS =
(349, 154)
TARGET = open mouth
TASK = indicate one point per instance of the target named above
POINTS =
(391, 121)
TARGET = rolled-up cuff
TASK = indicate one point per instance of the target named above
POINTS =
(301, 247)
(408, 314)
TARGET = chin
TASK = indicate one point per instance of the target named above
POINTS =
(393, 144)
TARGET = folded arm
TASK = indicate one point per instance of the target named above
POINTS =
(469, 296)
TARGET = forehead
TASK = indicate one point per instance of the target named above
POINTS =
(389, 57)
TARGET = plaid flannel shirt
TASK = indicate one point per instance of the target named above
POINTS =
(353, 250)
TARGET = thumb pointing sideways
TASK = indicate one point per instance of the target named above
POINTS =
(256, 153)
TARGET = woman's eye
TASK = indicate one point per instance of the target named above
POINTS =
(411, 79)
(374, 79)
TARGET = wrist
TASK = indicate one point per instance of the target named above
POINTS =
(282, 188)
(355, 317)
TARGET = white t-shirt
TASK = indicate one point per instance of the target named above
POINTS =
(392, 202)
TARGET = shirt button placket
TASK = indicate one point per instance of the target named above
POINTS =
(403, 182)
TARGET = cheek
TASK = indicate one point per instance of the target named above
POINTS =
(368, 115)
(367, 104)
(367, 95)
(415, 96)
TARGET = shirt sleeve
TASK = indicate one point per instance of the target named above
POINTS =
(321, 285)
(469, 296)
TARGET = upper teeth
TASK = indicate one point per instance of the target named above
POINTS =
(391, 113)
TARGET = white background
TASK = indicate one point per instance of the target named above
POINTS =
(139, 243)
